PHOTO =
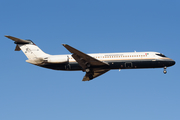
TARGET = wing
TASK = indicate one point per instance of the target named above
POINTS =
(95, 67)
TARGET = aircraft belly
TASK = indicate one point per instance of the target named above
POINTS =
(55, 66)
(129, 64)
(75, 66)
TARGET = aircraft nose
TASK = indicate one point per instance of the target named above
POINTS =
(172, 62)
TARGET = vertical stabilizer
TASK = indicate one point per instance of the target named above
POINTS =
(31, 50)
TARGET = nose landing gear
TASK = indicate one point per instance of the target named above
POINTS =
(164, 71)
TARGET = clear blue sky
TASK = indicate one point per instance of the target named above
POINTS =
(28, 92)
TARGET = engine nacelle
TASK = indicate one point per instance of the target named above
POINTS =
(56, 59)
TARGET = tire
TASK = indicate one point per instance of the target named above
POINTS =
(90, 77)
(87, 70)
(88, 65)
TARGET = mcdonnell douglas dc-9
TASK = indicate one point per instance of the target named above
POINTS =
(93, 64)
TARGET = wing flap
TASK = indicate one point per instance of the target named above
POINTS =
(96, 74)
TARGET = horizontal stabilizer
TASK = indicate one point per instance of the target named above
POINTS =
(17, 48)
(17, 40)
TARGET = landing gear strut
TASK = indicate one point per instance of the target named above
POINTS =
(89, 73)
(164, 71)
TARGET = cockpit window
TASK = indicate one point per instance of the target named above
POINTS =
(161, 55)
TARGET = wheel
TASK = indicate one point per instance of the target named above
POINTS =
(165, 70)
(165, 67)
(87, 70)
(90, 77)
(88, 65)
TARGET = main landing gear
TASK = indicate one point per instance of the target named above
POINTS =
(89, 73)
(87, 70)
(164, 71)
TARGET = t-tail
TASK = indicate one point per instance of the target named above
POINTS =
(34, 54)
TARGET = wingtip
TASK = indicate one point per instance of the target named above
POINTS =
(6, 35)
(64, 44)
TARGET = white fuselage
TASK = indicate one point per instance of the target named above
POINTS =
(122, 56)
(127, 60)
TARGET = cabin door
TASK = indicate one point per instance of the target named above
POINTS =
(128, 65)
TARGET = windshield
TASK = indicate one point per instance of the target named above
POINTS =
(161, 55)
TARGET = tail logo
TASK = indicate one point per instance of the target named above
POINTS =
(27, 50)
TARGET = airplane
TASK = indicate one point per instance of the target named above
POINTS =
(93, 64)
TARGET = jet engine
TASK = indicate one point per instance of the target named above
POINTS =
(56, 59)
